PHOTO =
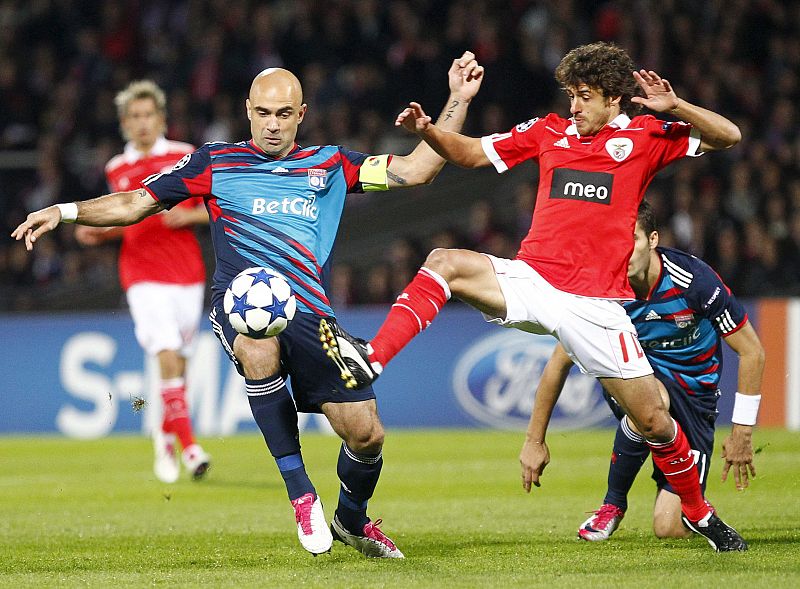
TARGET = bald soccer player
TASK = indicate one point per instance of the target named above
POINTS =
(274, 203)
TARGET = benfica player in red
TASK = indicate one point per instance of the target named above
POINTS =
(161, 270)
(571, 270)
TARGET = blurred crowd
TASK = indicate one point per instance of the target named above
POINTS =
(361, 61)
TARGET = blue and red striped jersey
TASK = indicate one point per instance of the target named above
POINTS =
(280, 213)
(682, 321)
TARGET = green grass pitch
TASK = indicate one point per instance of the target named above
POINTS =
(77, 514)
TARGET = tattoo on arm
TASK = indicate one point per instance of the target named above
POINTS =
(451, 109)
(141, 193)
(395, 178)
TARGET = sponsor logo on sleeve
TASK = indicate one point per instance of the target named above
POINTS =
(577, 185)
(522, 127)
(713, 297)
(182, 162)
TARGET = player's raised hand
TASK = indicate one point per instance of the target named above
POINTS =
(413, 118)
(737, 453)
(533, 459)
(465, 76)
(659, 95)
(36, 224)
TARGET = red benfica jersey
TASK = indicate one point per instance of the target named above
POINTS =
(151, 251)
(581, 235)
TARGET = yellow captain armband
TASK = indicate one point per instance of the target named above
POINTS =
(373, 175)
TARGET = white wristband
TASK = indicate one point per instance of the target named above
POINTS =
(69, 212)
(745, 409)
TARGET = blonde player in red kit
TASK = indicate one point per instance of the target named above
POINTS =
(571, 270)
(161, 270)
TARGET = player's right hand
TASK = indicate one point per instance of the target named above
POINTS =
(413, 118)
(533, 459)
(36, 224)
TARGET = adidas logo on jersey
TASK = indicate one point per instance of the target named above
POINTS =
(651, 316)
(563, 142)
(280, 170)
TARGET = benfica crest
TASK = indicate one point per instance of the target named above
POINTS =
(619, 148)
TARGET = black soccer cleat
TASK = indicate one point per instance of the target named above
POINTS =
(349, 353)
(720, 535)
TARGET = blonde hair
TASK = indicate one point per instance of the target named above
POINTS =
(138, 90)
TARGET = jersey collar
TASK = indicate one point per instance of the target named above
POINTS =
(160, 147)
(261, 152)
(621, 121)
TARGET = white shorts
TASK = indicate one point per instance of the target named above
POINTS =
(166, 316)
(596, 333)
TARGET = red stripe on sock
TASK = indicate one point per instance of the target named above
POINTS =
(176, 415)
(676, 461)
(414, 310)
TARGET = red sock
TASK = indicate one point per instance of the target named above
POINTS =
(676, 461)
(176, 412)
(413, 311)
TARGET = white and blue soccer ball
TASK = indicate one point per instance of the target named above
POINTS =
(259, 302)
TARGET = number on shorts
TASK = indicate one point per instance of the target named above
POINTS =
(637, 348)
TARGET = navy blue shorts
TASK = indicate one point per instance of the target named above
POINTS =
(313, 378)
(697, 421)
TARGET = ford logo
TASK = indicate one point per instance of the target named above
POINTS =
(495, 382)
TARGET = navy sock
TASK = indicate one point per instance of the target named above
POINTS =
(630, 452)
(276, 417)
(359, 476)
(294, 475)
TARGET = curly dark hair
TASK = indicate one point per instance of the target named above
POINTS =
(602, 66)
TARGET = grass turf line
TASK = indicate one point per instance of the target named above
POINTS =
(76, 513)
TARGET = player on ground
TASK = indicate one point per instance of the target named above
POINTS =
(570, 271)
(274, 203)
(161, 270)
(682, 312)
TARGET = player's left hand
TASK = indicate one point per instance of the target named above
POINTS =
(413, 118)
(737, 452)
(658, 93)
(465, 76)
(36, 224)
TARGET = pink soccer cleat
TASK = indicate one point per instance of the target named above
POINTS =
(372, 543)
(312, 529)
(601, 524)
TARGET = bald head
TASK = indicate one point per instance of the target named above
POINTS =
(277, 83)
(275, 109)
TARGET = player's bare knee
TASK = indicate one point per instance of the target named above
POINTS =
(259, 358)
(441, 261)
(656, 425)
(367, 439)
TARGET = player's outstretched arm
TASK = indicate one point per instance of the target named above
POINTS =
(716, 131)
(737, 448)
(535, 455)
(119, 208)
(423, 164)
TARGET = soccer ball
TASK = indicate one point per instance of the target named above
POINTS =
(259, 303)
